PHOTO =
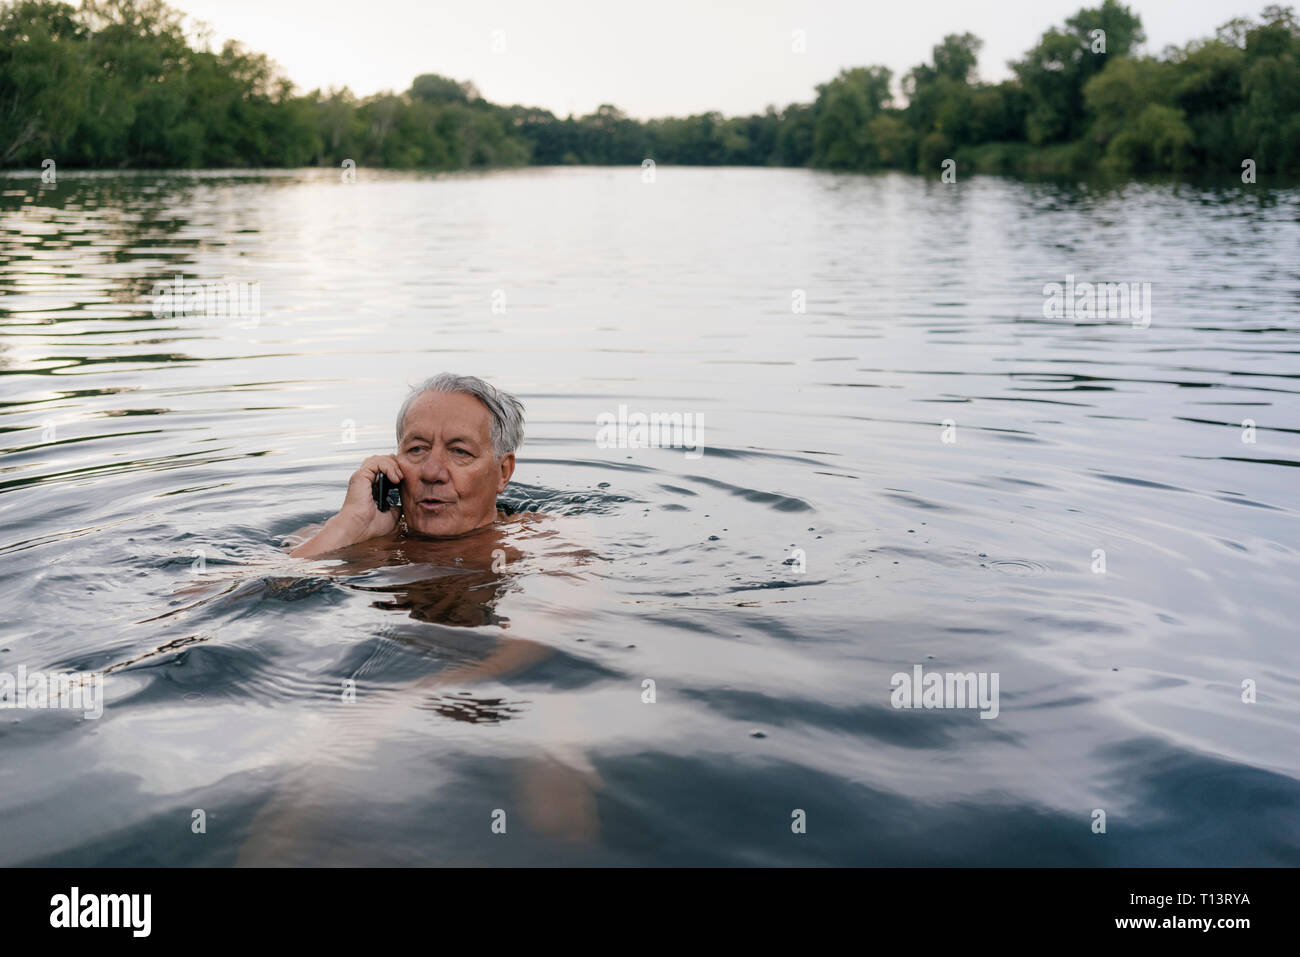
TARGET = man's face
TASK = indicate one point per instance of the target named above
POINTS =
(450, 476)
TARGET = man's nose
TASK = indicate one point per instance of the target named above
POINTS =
(434, 467)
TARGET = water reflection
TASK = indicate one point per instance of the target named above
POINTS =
(828, 538)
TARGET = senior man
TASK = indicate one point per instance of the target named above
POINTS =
(456, 442)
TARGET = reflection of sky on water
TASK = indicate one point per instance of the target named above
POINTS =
(178, 435)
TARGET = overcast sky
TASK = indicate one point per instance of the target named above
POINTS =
(662, 58)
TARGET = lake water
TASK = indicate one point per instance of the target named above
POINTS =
(905, 463)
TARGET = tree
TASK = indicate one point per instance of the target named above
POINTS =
(433, 88)
(118, 83)
(1268, 123)
(956, 56)
(1054, 72)
(42, 83)
(844, 109)
(1137, 127)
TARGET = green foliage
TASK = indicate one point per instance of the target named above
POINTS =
(1154, 139)
(41, 80)
(844, 109)
(894, 141)
(121, 83)
(432, 88)
(946, 110)
(1136, 127)
(956, 56)
(1268, 124)
(1055, 71)
(794, 138)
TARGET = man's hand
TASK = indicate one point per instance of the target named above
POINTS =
(359, 519)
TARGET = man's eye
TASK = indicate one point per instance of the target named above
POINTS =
(462, 451)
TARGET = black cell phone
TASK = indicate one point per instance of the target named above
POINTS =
(385, 492)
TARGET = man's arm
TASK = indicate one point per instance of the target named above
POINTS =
(359, 519)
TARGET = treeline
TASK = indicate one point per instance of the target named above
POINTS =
(117, 83)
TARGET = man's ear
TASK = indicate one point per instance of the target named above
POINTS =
(507, 470)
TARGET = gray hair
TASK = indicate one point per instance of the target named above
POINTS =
(507, 411)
